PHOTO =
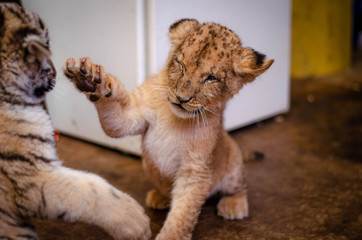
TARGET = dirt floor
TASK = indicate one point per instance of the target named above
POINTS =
(309, 186)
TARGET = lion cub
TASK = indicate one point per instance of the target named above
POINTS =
(179, 112)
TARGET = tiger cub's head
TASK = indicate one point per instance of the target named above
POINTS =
(207, 65)
(26, 69)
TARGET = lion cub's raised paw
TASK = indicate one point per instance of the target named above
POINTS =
(89, 78)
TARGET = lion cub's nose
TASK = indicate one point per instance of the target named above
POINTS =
(183, 99)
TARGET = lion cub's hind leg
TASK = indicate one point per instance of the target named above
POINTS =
(234, 203)
(156, 200)
(234, 207)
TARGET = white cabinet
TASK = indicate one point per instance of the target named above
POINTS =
(129, 38)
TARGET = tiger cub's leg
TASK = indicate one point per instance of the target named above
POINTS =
(78, 196)
(11, 225)
(15, 228)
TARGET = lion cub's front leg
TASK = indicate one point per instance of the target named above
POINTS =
(120, 114)
(92, 80)
(189, 193)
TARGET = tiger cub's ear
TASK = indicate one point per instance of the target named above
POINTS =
(37, 49)
(248, 64)
(180, 29)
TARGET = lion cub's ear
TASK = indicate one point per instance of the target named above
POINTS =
(248, 64)
(180, 29)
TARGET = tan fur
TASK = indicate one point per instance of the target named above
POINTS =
(186, 152)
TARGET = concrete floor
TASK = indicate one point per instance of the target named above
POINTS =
(309, 186)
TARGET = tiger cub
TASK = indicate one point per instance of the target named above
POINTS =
(186, 152)
(33, 182)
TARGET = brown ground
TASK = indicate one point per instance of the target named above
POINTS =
(309, 186)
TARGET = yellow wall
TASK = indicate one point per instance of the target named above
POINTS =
(321, 37)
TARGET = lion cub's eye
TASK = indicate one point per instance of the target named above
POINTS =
(181, 65)
(211, 78)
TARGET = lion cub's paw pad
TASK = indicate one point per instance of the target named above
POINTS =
(88, 77)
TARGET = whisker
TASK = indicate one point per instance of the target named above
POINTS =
(207, 120)
(194, 119)
(58, 93)
(202, 116)
(160, 88)
(194, 123)
(190, 115)
(209, 110)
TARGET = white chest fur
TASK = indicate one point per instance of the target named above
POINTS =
(164, 145)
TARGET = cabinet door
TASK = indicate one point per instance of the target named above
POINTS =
(261, 24)
(110, 33)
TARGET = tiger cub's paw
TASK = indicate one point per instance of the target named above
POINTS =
(89, 78)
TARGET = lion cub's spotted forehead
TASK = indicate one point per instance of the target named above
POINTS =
(209, 42)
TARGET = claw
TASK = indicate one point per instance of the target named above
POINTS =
(68, 75)
(97, 78)
(82, 68)
(69, 60)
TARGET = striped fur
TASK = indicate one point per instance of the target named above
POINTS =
(33, 182)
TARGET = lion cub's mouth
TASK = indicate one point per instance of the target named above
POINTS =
(182, 108)
(179, 106)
